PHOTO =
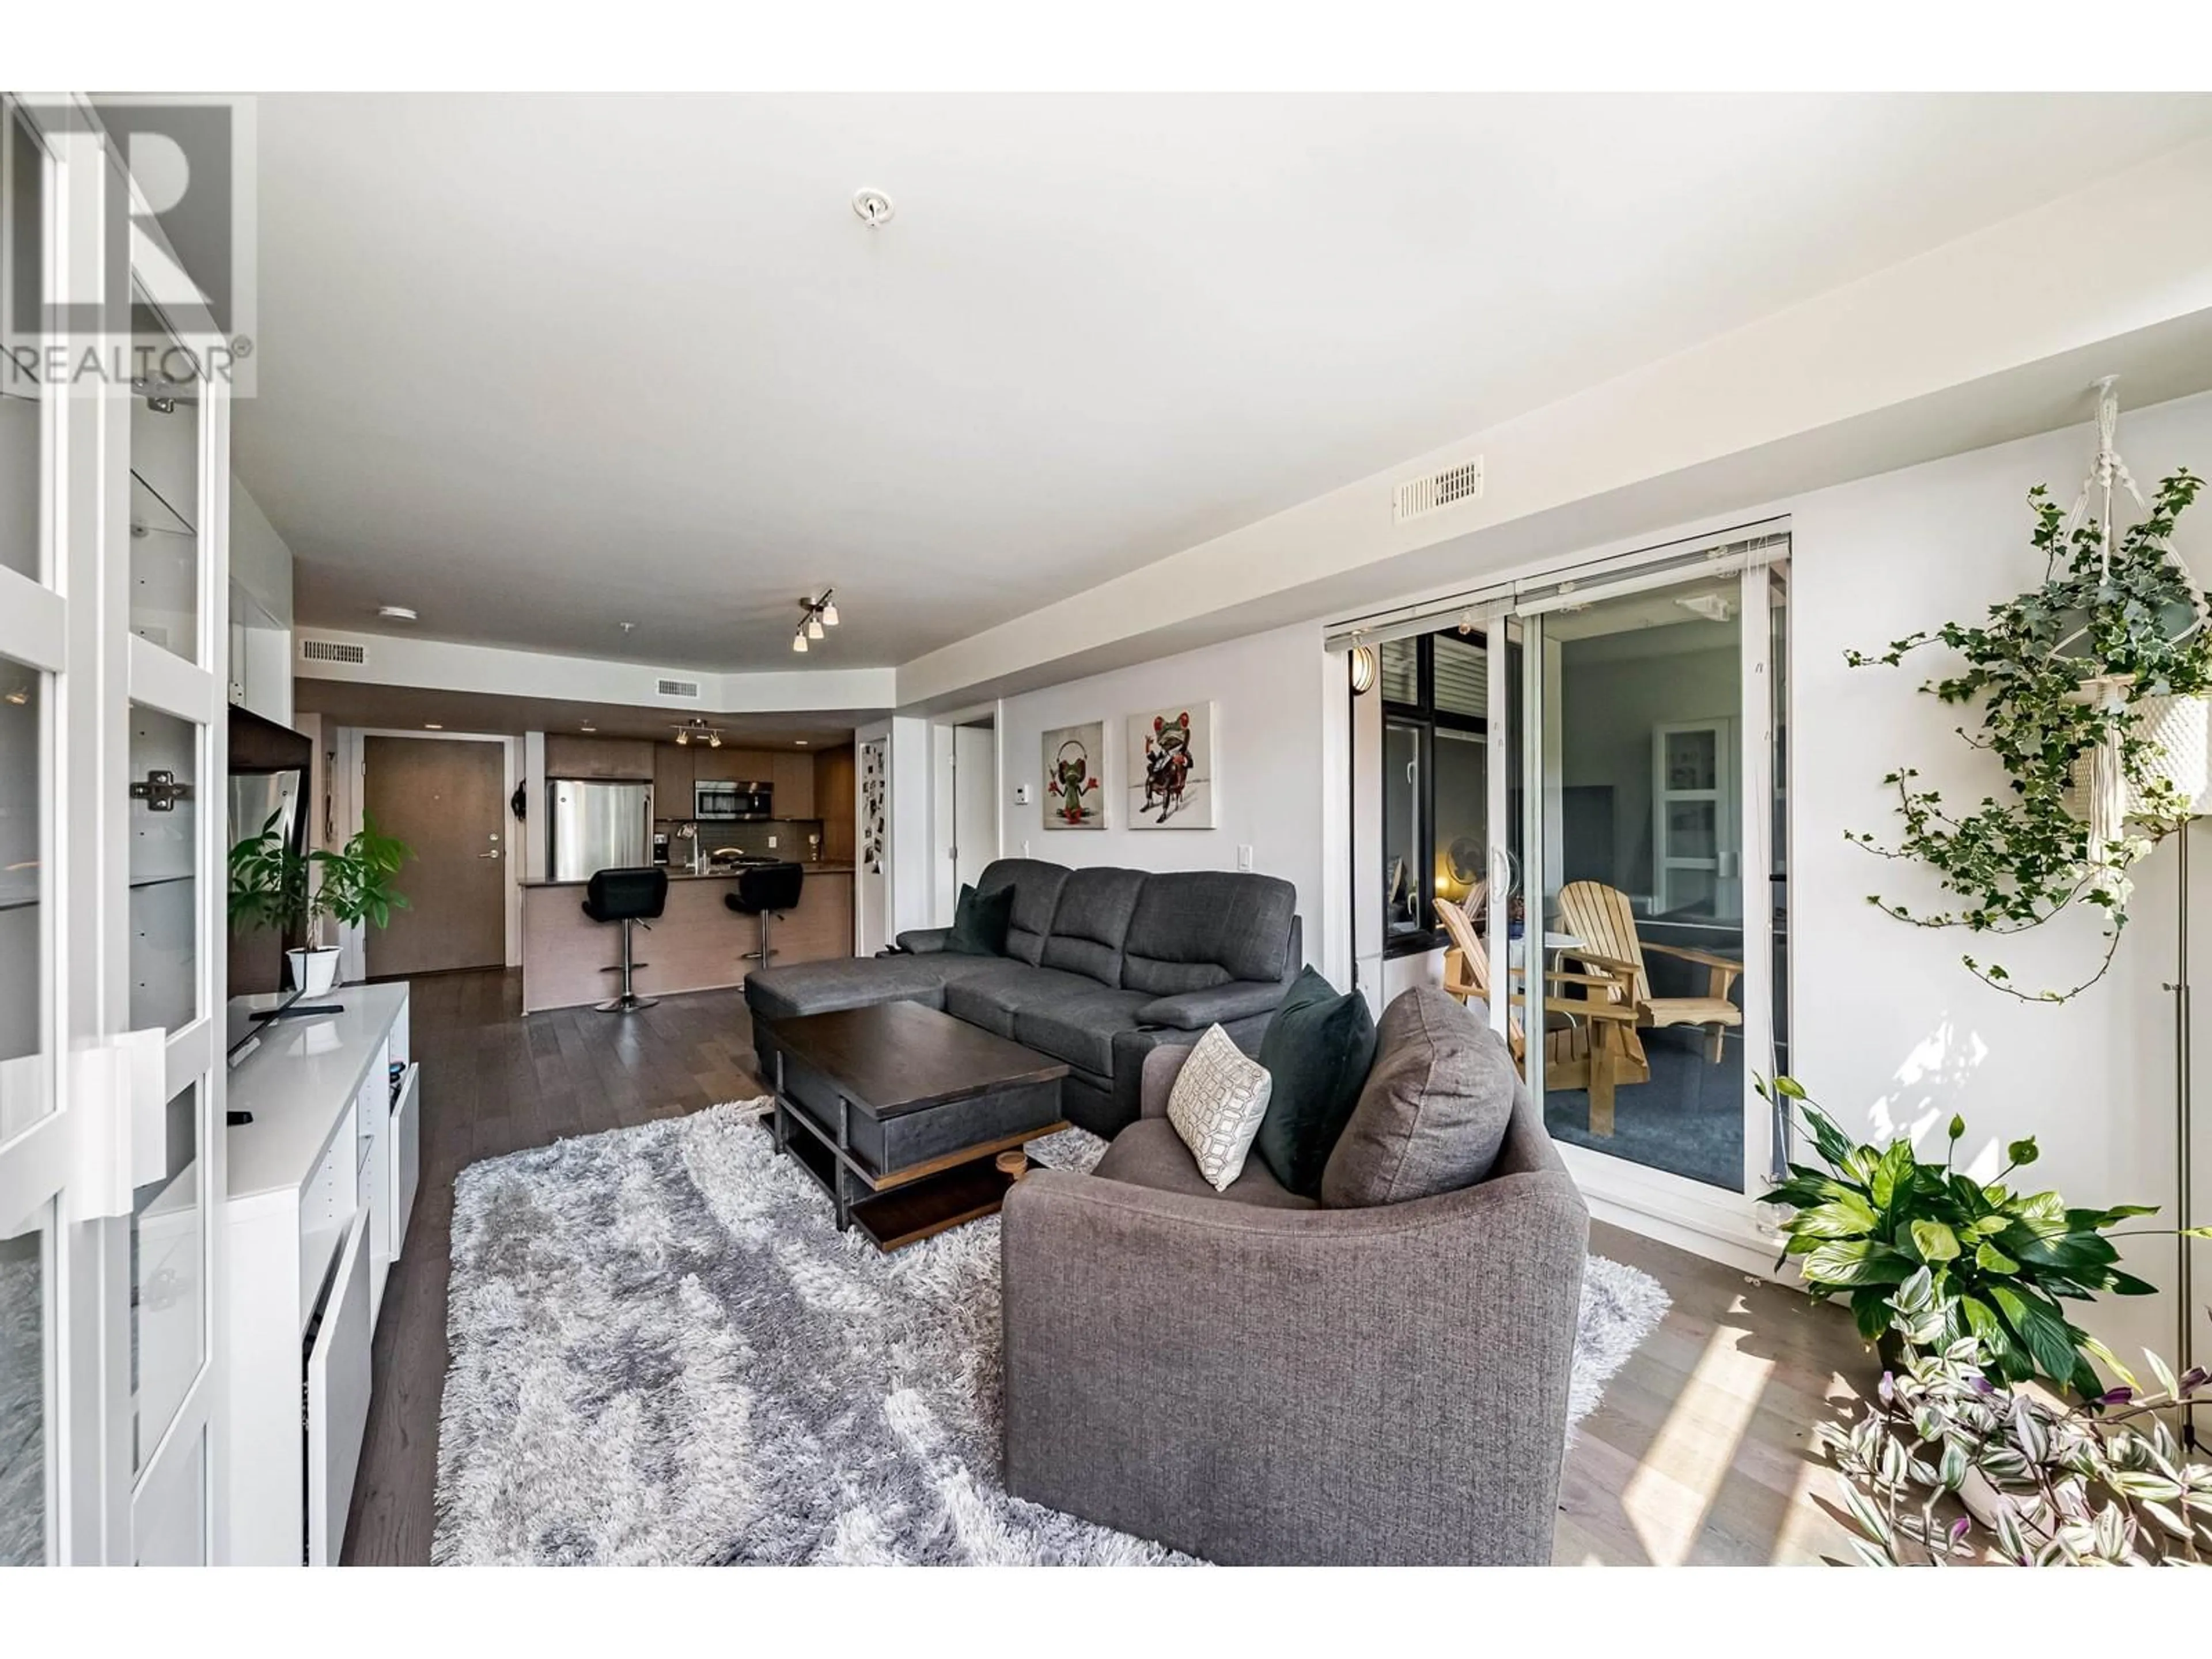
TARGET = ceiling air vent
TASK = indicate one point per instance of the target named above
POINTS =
(1438, 491)
(314, 650)
(679, 687)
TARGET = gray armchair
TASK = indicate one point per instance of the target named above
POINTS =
(1251, 1378)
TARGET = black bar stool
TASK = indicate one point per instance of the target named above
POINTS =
(765, 889)
(626, 896)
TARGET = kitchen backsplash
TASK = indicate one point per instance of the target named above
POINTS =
(788, 835)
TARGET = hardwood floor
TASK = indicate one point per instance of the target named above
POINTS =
(1701, 1452)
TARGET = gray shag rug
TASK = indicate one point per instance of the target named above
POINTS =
(663, 1352)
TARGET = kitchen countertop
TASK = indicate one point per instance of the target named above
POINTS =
(824, 868)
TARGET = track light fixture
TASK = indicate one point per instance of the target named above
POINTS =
(697, 731)
(817, 615)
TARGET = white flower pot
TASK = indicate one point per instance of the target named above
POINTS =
(2181, 727)
(313, 971)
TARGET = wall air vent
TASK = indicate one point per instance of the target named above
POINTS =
(315, 650)
(1437, 490)
(679, 688)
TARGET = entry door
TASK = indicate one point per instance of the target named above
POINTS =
(113, 586)
(447, 800)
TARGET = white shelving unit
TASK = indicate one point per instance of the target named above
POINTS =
(321, 1184)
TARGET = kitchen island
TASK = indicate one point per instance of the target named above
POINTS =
(697, 944)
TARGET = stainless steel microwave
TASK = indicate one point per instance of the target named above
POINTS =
(728, 803)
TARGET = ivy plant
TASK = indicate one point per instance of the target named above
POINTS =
(2017, 859)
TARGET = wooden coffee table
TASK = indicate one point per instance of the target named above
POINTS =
(901, 1112)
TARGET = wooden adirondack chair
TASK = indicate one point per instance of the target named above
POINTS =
(1599, 917)
(1596, 1048)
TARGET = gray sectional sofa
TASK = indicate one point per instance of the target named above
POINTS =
(1102, 967)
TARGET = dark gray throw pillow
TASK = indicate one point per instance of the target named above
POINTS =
(1434, 1111)
(1317, 1049)
(980, 921)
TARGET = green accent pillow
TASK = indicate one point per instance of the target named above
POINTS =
(980, 921)
(1317, 1049)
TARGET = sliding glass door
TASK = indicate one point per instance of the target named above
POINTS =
(1578, 815)
(1652, 737)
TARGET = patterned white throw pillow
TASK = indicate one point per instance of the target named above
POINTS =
(1216, 1105)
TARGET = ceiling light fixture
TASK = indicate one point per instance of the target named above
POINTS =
(817, 615)
(695, 731)
(588, 728)
(397, 612)
(432, 725)
(874, 208)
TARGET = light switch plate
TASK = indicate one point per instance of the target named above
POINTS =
(1243, 855)
(771, 843)
(1021, 795)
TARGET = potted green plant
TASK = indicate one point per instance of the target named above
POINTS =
(274, 885)
(1999, 1260)
(2103, 1481)
(2091, 689)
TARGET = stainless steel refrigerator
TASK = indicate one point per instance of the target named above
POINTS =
(599, 826)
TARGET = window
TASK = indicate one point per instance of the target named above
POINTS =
(1435, 790)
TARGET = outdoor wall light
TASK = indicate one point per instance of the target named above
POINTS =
(1363, 670)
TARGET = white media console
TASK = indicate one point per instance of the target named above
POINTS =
(322, 1182)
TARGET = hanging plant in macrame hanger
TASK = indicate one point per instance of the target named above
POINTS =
(2093, 692)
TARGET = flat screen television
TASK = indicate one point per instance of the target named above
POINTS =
(269, 769)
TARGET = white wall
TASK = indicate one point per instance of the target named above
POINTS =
(1892, 1032)
(1269, 789)
(911, 801)
(260, 562)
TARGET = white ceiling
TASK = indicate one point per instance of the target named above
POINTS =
(537, 365)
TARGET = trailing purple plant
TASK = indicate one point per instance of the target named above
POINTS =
(2104, 1481)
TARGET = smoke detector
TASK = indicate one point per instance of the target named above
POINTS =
(874, 208)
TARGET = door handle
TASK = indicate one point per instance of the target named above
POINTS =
(492, 854)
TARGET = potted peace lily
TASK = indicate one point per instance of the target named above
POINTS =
(274, 885)
(1999, 1259)
(2093, 693)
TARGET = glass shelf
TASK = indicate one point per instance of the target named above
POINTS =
(149, 512)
